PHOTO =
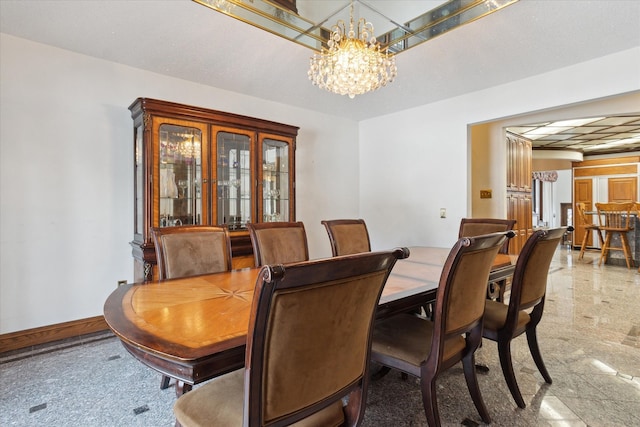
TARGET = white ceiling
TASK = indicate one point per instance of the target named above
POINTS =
(183, 39)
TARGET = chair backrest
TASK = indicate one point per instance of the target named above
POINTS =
(615, 216)
(347, 236)
(461, 294)
(309, 339)
(471, 227)
(278, 242)
(529, 283)
(582, 216)
(191, 250)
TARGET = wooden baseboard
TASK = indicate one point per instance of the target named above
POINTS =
(46, 334)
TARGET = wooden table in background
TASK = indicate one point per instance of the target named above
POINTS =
(194, 329)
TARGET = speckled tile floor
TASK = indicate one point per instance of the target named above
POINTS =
(589, 338)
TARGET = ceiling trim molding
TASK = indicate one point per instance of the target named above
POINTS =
(574, 156)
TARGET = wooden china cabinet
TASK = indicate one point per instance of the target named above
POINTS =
(198, 166)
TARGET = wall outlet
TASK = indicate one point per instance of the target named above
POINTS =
(443, 213)
(120, 283)
(485, 194)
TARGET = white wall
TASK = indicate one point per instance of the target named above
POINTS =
(410, 161)
(66, 175)
(488, 172)
(562, 193)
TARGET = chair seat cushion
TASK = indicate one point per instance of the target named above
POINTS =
(220, 403)
(408, 337)
(495, 316)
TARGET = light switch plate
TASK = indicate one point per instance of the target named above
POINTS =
(443, 213)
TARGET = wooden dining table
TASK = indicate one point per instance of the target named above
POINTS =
(194, 329)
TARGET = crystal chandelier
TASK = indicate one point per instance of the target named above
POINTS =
(354, 63)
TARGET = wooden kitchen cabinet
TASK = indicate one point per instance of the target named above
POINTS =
(519, 194)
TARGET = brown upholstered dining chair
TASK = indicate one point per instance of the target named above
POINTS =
(308, 348)
(418, 346)
(278, 242)
(503, 323)
(347, 236)
(190, 250)
(615, 218)
(589, 229)
(470, 227)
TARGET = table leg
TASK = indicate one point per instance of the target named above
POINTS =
(182, 388)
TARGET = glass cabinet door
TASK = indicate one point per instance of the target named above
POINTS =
(233, 178)
(276, 181)
(180, 175)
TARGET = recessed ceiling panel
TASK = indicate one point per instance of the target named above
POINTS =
(588, 129)
(555, 137)
(621, 136)
(592, 135)
(547, 130)
(613, 121)
(623, 129)
(576, 122)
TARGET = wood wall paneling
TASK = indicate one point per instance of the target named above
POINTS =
(582, 193)
(605, 170)
(519, 197)
(623, 189)
(608, 161)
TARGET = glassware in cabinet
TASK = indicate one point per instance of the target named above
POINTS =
(234, 177)
(180, 179)
(277, 181)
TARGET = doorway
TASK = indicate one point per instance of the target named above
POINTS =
(487, 162)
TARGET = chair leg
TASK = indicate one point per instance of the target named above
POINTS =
(496, 290)
(504, 350)
(381, 372)
(469, 365)
(492, 290)
(428, 310)
(532, 339)
(182, 388)
(428, 386)
(627, 251)
(506, 284)
(605, 248)
(584, 243)
(354, 410)
(164, 382)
